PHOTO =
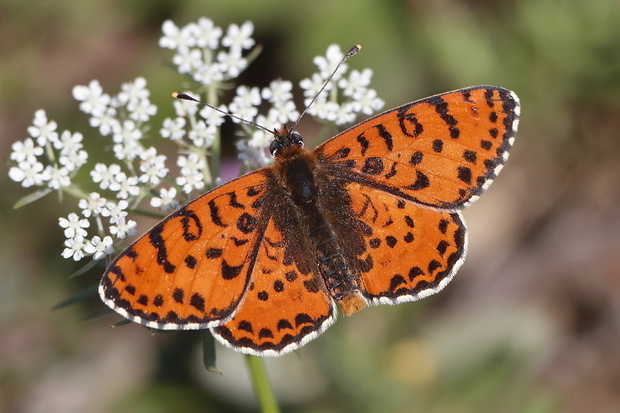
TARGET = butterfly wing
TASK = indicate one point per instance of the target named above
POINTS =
(226, 261)
(409, 170)
(286, 304)
(442, 151)
(191, 270)
(410, 251)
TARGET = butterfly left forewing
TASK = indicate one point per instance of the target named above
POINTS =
(191, 269)
(442, 151)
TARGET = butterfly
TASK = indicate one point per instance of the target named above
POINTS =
(371, 216)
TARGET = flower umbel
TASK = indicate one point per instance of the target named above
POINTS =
(213, 57)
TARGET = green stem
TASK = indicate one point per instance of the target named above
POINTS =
(264, 393)
(145, 213)
(216, 148)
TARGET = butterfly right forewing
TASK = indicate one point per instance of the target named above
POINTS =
(442, 151)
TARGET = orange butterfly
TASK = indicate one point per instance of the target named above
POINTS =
(370, 217)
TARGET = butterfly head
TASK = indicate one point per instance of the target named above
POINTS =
(284, 138)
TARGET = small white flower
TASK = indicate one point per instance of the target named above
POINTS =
(232, 64)
(250, 155)
(27, 173)
(282, 113)
(344, 114)
(71, 154)
(25, 151)
(245, 102)
(239, 37)
(260, 139)
(74, 248)
(152, 166)
(367, 102)
(193, 162)
(128, 150)
(106, 122)
(327, 64)
(94, 101)
(278, 91)
(313, 85)
(191, 180)
(208, 73)
(213, 118)
(191, 175)
(117, 211)
(175, 38)
(142, 111)
(201, 135)
(56, 177)
(69, 141)
(207, 34)
(188, 59)
(99, 247)
(105, 175)
(323, 109)
(269, 124)
(125, 186)
(128, 132)
(166, 201)
(173, 129)
(357, 81)
(93, 205)
(43, 130)
(73, 160)
(122, 228)
(74, 226)
(133, 92)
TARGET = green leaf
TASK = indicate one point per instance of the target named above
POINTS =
(82, 295)
(146, 213)
(86, 268)
(123, 322)
(28, 199)
(96, 316)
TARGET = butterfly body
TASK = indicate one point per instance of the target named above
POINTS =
(317, 194)
(371, 216)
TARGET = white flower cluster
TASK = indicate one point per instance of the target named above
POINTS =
(358, 98)
(210, 56)
(199, 53)
(96, 208)
(47, 158)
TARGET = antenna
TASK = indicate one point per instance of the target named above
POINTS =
(349, 54)
(185, 96)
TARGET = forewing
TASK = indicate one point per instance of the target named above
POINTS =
(411, 251)
(283, 308)
(442, 151)
(191, 269)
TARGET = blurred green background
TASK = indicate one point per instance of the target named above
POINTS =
(530, 324)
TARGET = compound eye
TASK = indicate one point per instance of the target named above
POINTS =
(296, 138)
(274, 147)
